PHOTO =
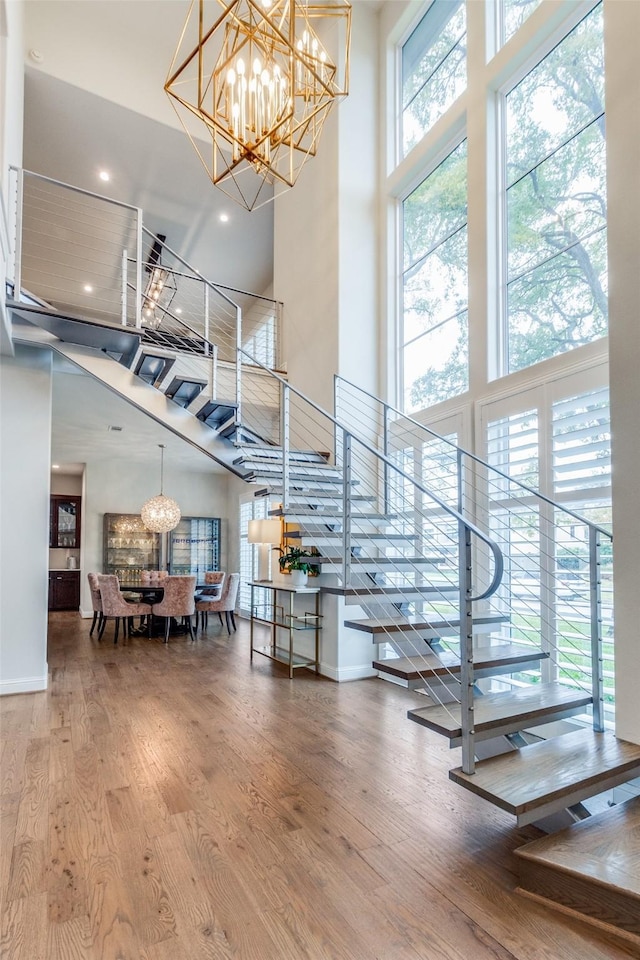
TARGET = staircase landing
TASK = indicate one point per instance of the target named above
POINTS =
(590, 870)
(544, 777)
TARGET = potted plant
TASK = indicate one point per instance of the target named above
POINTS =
(295, 560)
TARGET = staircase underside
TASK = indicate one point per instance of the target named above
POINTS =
(547, 776)
(590, 870)
(96, 362)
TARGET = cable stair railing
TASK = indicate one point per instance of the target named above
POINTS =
(425, 565)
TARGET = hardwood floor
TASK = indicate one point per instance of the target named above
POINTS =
(173, 802)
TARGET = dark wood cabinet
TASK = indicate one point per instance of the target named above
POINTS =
(64, 589)
(64, 522)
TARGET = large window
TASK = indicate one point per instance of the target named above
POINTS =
(434, 68)
(513, 15)
(435, 350)
(556, 201)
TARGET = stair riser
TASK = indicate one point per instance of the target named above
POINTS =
(611, 909)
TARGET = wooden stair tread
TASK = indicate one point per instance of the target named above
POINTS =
(497, 713)
(401, 591)
(582, 762)
(605, 848)
(433, 664)
(412, 624)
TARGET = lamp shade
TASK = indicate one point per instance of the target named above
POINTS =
(264, 531)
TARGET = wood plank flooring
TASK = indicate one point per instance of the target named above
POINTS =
(173, 802)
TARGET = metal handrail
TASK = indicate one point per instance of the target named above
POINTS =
(70, 186)
(472, 456)
(493, 546)
(595, 533)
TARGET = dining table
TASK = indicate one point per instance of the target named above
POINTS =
(151, 593)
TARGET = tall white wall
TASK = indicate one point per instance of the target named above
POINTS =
(326, 271)
(25, 444)
(116, 486)
(622, 42)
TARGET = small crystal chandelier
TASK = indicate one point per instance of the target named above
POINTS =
(160, 514)
(261, 75)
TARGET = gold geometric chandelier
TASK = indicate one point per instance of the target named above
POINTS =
(258, 78)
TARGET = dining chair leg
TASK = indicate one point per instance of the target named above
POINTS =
(190, 625)
(93, 624)
(220, 618)
(226, 616)
(233, 619)
(167, 623)
(116, 630)
(103, 624)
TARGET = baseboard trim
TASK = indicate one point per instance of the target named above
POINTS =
(26, 685)
(343, 675)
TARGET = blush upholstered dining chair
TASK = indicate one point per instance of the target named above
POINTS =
(178, 601)
(213, 580)
(153, 578)
(115, 607)
(226, 604)
(213, 577)
(96, 602)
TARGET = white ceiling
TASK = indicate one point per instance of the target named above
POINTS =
(94, 100)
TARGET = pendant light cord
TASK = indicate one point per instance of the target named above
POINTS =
(161, 445)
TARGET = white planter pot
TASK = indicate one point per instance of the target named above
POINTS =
(298, 578)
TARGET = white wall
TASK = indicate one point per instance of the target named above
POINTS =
(326, 270)
(622, 42)
(116, 486)
(25, 440)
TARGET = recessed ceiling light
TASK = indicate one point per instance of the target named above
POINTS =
(224, 217)
(88, 288)
(178, 309)
(55, 466)
(105, 175)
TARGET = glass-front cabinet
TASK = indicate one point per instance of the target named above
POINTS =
(129, 548)
(64, 521)
(194, 546)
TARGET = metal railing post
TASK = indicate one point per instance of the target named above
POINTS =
(214, 372)
(125, 269)
(459, 483)
(206, 319)
(238, 365)
(138, 268)
(285, 441)
(467, 679)
(336, 380)
(346, 507)
(385, 448)
(597, 673)
(17, 248)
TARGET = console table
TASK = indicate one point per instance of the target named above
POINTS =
(286, 622)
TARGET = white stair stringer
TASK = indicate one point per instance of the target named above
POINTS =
(139, 394)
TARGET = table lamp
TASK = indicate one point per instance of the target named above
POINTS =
(266, 533)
